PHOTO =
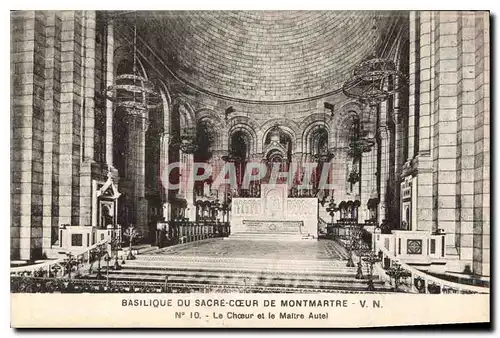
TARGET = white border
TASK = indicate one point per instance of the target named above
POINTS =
(187, 4)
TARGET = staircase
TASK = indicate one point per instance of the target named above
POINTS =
(259, 236)
(308, 275)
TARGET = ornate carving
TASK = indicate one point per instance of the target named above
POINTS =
(414, 246)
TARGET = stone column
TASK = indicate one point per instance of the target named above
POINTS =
(482, 184)
(297, 162)
(398, 156)
(363, 188)
(88, 112)
(187, 182)
(413, 85)
(217, 164)
(110, 46)
(164, 178)
(136, 171)
(422, 39)
(51, 127)
(384, 172)
(27, 161)
(339, 174)
(465, 137)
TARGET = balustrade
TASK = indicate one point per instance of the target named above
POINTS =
(181, 231)
(76, 261)
(417, 281)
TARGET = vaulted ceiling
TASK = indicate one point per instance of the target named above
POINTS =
(265, 55)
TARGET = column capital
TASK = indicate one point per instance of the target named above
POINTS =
(257, 157)
(382, 131)
(188, 148)
(218, 154)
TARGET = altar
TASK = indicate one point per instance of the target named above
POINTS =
(274, 216)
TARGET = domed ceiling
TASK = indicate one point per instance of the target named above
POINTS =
(263, 55)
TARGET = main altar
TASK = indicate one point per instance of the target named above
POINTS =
(274, 216)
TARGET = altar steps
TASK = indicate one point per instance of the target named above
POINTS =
(255, 281)
(237, 272)
(237, 263)
(258, 236)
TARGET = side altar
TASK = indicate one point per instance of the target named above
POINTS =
(274, 216)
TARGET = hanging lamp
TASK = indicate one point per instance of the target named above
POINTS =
(132, 92)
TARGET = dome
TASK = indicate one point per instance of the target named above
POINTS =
(263, 55)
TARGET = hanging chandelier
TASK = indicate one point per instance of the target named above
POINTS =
(133, 92)
(370, 81)
(373, 82)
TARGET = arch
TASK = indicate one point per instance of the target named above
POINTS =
(209, 114)
(288, 126)
(186, 112)
(310, 126)
(250, 126)
(402, 39)
(215, 127)
(315, 118)
(250, 134)
(342, 122)
(244, 142)
(166, 104)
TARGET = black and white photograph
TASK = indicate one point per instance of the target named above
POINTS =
(217, 153)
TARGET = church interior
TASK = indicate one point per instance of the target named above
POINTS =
(114, 113)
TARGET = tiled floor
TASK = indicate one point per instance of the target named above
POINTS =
(306, 250)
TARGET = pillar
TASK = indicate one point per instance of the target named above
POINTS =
(481, 231)
(421, 94)
(164, 161)
(51, 128)
(383, 134)
(465, 90)
(187, 182)
(414, 69)
(88, 71)
(441, 100)
(110, 45)
(27, 162)
(136, 171)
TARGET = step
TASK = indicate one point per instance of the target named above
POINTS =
(242, 270)
(319, 284)
(346, 278)
(141, 249)
(247, 264)
(242, 261)
(168, 267)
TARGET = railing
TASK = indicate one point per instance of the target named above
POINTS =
(58, 267)
(183, 231)
(421, 282)
(24, 284)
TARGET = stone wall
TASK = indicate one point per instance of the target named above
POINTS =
(53, 92)
(449, 132)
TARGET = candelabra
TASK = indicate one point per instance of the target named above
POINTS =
(371, 259)
(396, 272)
(332, 209)
(69, 262)
(361, 249)
(351, 244)
(98, 253)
